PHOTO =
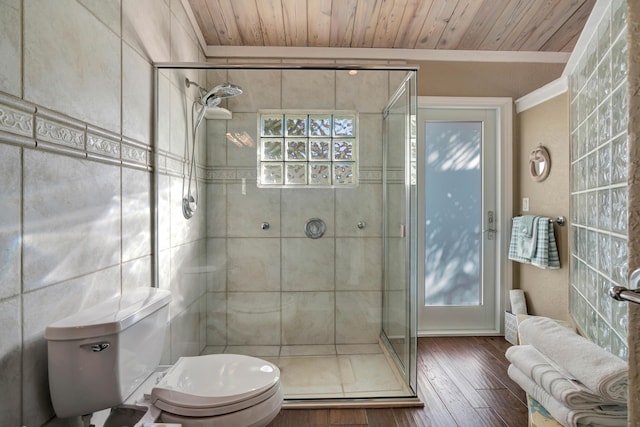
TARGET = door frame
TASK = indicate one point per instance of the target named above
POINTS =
(504, 198)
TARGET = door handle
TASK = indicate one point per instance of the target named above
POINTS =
(491, 226)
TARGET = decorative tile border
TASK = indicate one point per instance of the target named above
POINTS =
(135, 152)
(101, 142)
(394, 176)
(16, 120)
(169, 164)
(104, 146)
(57, 129)
(28, 125)
(373, 175)
(219, 175)
(247, 174)
(235, 175)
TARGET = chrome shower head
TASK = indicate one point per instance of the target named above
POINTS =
(213, 97)
(220, 92)
(226, 90)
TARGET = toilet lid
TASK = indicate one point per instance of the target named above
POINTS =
(215, 380)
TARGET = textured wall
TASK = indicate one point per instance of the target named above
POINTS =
(633, 40)
(442, 78)
(547, 124)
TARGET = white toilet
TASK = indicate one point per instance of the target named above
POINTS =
(107, 355)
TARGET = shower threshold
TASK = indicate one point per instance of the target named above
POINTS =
(332, 375)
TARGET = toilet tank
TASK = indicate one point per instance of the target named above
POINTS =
(100, 355)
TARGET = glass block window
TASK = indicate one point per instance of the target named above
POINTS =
(599, 159)
(313, 149)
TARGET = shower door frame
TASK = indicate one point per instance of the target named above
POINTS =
(408, 366)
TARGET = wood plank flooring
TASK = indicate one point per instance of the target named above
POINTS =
(461, 380)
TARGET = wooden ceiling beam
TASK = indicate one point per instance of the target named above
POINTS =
(565, 38)
(415, 15)
(366, 19)
(388, 26)
(270, 15)
(546, 25)
(434, 25)
(343, 14)
(319, 22)
(504, 25)
(459, 23)
(294, 16)
(483, 21)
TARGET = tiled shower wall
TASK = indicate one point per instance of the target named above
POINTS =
(599, 159)
(76, 103)
(181, 242)
(275, 286)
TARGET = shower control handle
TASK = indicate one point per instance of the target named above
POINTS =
(265, 226)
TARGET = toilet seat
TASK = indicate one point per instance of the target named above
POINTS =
(255, 416)
(215, 411)
(217, 384)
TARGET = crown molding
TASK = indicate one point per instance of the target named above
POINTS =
(542, 94)
(342, 53)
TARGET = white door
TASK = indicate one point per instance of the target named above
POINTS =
(461, 291)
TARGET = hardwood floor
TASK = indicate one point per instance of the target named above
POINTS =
(461, 380)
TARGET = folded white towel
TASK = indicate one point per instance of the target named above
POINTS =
(518, 301)
(607, 416)
(566, 391)
(597, 369)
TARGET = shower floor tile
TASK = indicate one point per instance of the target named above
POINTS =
(310, 375)
(307, 350)
(358, 349)
(328, 371)
(368, 373)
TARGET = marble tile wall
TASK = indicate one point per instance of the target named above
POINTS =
(599, 213)
(76, 117)
(276, 286)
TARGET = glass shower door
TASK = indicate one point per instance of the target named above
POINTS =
(399, 237)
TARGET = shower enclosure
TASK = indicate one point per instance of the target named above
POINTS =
(302, 248)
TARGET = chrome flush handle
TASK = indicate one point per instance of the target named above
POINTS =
(96, 348)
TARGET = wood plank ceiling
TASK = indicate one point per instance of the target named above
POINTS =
(498, 25)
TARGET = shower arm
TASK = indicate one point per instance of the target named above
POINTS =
(202, 90)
